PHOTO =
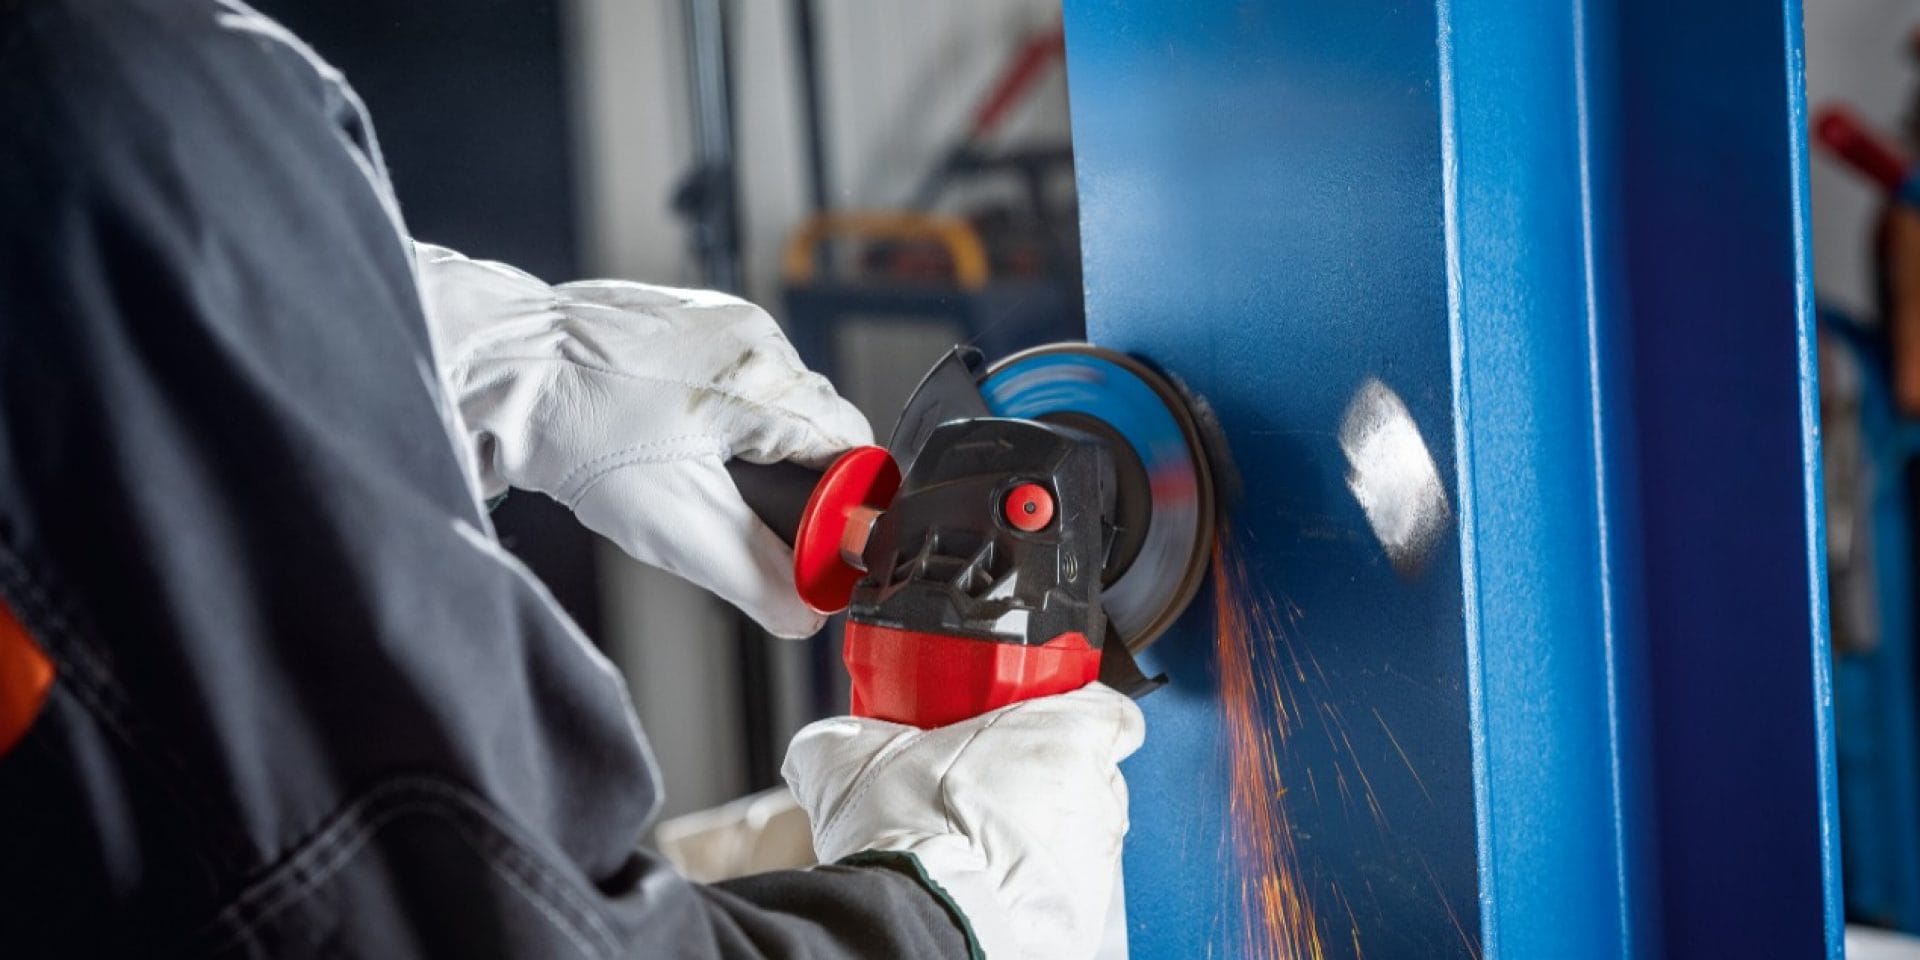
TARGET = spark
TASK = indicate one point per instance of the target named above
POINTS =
(1366, 782)
(1440, 893)
(1353, 922)
(1403, 754)
(1278, 921)
(1270, 681)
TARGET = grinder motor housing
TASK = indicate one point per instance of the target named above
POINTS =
(977, 578)
(983, 575)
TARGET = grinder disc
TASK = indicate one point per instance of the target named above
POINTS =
(1153, 574)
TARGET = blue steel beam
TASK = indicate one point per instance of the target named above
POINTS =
(1713, 169)
(1545, 445)
(1593, 721)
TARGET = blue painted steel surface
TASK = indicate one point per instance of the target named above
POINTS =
(1713, 161)
(1553, 598)
(1570, 237)
(1261, 213)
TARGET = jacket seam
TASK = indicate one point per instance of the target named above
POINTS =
(84, 675)
(319, 858)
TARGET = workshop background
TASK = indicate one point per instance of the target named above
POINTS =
(1863, 61)
(577, 139)
(691, 143)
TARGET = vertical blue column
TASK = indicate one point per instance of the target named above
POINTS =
(1712, 169)
(1546, 493)
(1569, 238)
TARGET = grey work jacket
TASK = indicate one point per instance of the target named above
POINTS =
(304, 703)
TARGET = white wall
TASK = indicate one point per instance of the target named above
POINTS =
(628, 85)
(1857, 52)
(899, 81)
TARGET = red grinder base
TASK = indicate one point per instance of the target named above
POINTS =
(934, 679)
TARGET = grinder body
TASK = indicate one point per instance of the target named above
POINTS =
(975, 555)
(983, 575)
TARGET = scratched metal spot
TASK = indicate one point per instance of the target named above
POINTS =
(1393, 476)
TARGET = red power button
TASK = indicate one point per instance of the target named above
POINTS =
(1029, 507)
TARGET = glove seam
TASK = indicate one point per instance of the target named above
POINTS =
(894, 748)
(946, 807)
(864, 781)
(592, 483)
(628, 456)
(808, 422)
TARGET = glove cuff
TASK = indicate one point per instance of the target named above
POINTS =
(907, 863)
(968, 894)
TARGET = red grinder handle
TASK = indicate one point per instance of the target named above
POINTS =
(777, 492)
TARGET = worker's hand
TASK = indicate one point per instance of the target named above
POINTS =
(1017, 814)
(623, 401)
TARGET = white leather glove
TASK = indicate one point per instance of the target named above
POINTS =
(623, 401)
(1017, 815)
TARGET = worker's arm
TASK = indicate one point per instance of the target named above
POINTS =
(304, 704)
(624, 401)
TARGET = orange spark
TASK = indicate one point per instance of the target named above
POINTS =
(1278, 923)
(1403, 754)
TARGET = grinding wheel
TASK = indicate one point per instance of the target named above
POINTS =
(1166, 504)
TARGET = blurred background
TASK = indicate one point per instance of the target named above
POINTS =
(890, 177)
(1863, 85)
(1860, 54)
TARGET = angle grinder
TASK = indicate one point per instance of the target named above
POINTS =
(1028, 528)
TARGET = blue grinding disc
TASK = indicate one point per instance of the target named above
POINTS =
(1155, 420)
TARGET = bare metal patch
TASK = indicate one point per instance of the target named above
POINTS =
(1393, 476)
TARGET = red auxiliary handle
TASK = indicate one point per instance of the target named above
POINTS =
(1841, 132)
(834, 526)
